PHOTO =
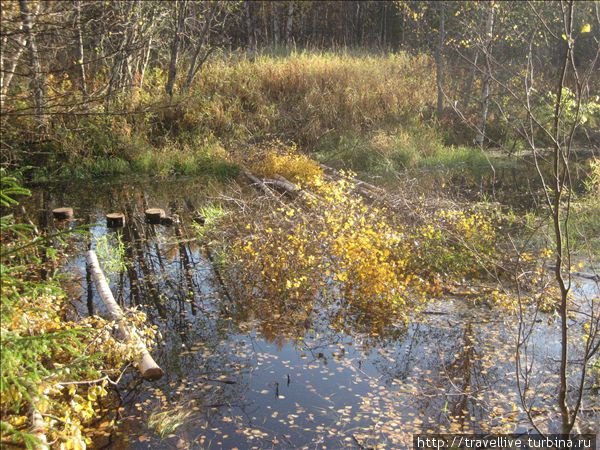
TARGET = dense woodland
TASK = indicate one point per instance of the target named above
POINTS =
(309, 130)
(63, 62)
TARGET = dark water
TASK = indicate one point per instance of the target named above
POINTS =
(241, 376)
(515, 183)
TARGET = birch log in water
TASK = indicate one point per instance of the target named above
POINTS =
(38, 426)
(146, 365)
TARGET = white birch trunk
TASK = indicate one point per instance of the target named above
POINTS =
(146, 365)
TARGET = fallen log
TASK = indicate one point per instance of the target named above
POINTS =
(587, 276)
(146, 365)
(371, 192)
(357, 181)
(358, 187)
(282, 184)
(38, 426)
(285, 185)
(258, 183)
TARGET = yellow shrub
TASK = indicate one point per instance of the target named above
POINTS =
(336, 248)
(277, 159)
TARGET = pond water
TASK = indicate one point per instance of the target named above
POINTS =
(241, 376)
(511, 182)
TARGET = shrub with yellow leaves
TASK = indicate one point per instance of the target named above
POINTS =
(59, 367)
(454, 243)
(276, 158)
(335, 247)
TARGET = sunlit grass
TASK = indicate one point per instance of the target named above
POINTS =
(166, 422)
(111, 253)
(208, 218)
(456, 157)
(305, 95)
(401, 147)
(212, 214)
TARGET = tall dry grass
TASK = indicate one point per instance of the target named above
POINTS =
(303, 96)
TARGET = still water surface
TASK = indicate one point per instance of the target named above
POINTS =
(238, 376)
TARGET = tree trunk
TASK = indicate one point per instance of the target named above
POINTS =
(8, 66)
(196, 65)
(562, 263)
(402, 28)
(37, 77)
(485, 86)
(250, 30)
(469, 84)
(130, 37)
(172, 74)
(145, 61)
(439, 59)
(383, 35)
(275, 14)
(289, 23)
(80, 53)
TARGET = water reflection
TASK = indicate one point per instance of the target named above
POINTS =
(265, 372)
(514, 183)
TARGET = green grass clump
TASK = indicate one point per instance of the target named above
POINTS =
(107, 166)
(166, 422)
(456, 157)
(401, 147)
(185, 161)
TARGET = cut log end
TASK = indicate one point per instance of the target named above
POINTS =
(154, 215)
(115, 220)
(148, 367)
(153, 374)
(62, 213)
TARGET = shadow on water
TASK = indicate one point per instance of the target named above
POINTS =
(259, 375)
(512, 182)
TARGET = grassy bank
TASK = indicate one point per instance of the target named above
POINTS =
(373, 112)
